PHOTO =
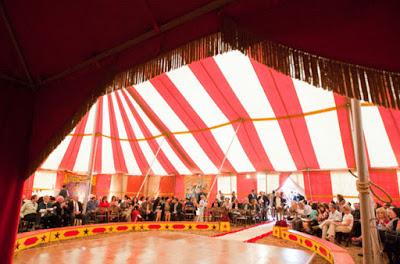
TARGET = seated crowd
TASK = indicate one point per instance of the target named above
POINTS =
(334, 221)
(338, 220)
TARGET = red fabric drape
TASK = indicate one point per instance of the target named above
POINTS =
(179, 186)
(167, 185)
(318, 186)
(15, 122)
(28, 187)
(133, 185)
(103, 182)
(245, 185)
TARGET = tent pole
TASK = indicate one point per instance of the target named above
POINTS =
(363, 179)
(91, 158)
(149, 170)
(223, 161)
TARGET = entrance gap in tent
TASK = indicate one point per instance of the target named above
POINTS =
(290, 188)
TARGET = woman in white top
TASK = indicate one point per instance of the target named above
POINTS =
(345, 226)
(201, 208)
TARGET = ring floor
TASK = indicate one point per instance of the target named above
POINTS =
(159, 247)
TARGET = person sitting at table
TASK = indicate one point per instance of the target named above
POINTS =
(215, 203)
(307, 208)
(29, 211)
(104, 203)
(45, 208)
(135, 216)
(60, 209)
(344, 226)
(235, 204)
(292, 210)
(92, 205)
(323, 212)
(312, 219)
(75, 208)
(227, 204)
(334, 216)
(245, 205)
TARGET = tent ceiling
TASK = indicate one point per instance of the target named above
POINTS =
(192, 113)
(63, 39)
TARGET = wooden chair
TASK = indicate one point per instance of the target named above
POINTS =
(102, 215)
(189, 213)
(114, 214)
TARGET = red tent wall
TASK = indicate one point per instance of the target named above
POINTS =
(179, 186)
(167, 185)
(103, 182)
(387, 179)
(244, 185)
(317, 185)
(28, 187)
(133, 185)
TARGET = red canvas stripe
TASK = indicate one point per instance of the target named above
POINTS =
(118, 155)
(282, 178)
(318, 185)
(391, 121)
(136, 150)
(282, 96)
(70, 155)
(99, 139)
(179, 150)
(387, 179)
(345, 130)
(162, 158)
(192, 121)
(216, 85)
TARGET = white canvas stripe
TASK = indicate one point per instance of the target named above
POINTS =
(107, 157)
(165, 147)
(196, 153)
(149, 124)
(130, 160)
(272, 182)
(323, 128)
(379, 148)
(173, 123)
(298, 178)
(82, 159)
(54, 159)
(245, 84)
(144, 145)
(261, 182)
(173, 158)
(235, 153)
(205, 107)
(344, 183)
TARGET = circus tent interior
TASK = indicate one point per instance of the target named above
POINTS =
(226, 118)
(171, 98)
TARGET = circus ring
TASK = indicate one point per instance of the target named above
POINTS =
(116, 241)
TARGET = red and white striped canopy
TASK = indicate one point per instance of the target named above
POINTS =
(190, 116)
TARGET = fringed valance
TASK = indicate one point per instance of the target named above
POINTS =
(354, 81)
(371, 85)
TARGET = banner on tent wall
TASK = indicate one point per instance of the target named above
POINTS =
(195, 185)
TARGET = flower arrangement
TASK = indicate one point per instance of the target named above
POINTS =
(281, 223)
